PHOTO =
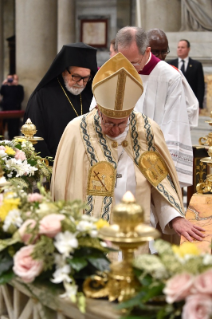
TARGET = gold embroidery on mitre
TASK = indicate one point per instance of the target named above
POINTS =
(119, 90)
(153, 167)
(114, 113)
(101, 179)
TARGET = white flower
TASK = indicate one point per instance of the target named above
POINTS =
(65, 242)
(85, 226)
(71, 291)
(62, 274)
(45, 208)
(3, 153)
(13, 218)
(89, 218)
(151, 264)
(207, 259)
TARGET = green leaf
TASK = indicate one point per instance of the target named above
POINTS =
(156, 290)
(6, 277)
(32, 162)
(4, 243)
(87, 241)
(101, 264)
(18, 146)
(147, 316)
(78, 263)
(134, 301)
(6, 262)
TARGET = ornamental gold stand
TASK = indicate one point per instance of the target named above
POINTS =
(128, 233)
(205, 187)
(29, 130)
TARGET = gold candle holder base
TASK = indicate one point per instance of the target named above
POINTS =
(128, 233)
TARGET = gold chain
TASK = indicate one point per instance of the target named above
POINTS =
(69, 99)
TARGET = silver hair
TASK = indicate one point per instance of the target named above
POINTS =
(127, 35)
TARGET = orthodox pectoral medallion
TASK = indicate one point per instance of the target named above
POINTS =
(101, 179)
(153, 167)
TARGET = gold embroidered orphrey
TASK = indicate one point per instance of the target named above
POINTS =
(101, 179)
(153, 167)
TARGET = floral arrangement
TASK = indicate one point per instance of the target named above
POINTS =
(176, 283)
(49, 241)
(21, 164)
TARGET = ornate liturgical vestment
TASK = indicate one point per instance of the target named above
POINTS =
(86, 164)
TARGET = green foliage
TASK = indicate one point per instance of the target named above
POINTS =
(44, 250)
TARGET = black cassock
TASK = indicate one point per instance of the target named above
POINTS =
(49, 108)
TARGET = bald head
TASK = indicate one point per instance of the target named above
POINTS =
(158, 42)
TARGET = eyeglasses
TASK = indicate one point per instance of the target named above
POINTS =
(137, 63)
(157, 53)
(78, 78)
(111, 125)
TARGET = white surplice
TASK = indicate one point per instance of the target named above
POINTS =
(164, 101)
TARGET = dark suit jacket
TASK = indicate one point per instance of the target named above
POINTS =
(195, 77)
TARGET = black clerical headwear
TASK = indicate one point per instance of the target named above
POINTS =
(75, 54)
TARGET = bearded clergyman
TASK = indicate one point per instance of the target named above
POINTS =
(63, 94)
(114, 149)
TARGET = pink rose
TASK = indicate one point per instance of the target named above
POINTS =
(50, 225)
(197, 307)
(25, 266)
(178, 287)
(2, 148)
(35, 197)
(25, 237)
(203, 283)
(20, 155)
(1, 199)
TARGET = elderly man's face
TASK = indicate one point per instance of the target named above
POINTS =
(112, 127)
(134, 56)
(76, 79)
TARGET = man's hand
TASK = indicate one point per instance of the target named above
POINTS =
(185, 228)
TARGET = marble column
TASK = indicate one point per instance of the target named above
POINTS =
(36, 41)
(165, 15)
(1, 42)
(65, 22)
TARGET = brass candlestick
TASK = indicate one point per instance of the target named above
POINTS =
(207, 140)
(128, 233)
(29, 130)
(206, 186)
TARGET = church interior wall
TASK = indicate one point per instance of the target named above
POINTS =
(40, 34)
(8, 30)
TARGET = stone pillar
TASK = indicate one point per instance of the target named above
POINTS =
(165, 15)
(65, 22)
(36, 41)
(1, 42)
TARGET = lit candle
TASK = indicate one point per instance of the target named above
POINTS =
(128, 197)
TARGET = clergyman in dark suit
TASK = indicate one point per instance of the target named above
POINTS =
(192, 70)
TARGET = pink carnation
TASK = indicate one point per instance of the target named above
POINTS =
(50, 225)
(35, 197)
(20, 155)
(197, 307)
(25, 237)
(178, 287)
(25, 266)
(2, 148)
(203, 283)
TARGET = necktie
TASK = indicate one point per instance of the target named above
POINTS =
(183, 66)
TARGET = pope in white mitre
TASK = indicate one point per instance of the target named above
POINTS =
(113, 149)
